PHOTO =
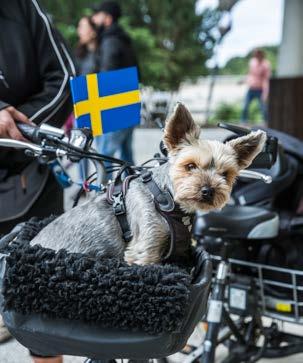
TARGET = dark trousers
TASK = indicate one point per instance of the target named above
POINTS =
(250, 96)
(119, 142)
(49, 202)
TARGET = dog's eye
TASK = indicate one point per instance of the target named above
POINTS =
(191, 166)
(225, 174)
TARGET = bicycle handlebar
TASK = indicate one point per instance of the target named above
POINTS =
(58, 146)
(267, 157)
(35, 133)
(48, 143)
(29, 132)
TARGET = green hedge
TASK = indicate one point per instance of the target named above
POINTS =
(231, 112)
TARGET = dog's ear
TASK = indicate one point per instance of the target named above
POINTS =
(248, 147)
(180, 127)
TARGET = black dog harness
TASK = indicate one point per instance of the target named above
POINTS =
(179, 223)
(116, 194)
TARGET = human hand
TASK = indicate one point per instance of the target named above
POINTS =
(8, 128)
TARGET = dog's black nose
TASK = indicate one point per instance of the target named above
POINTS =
(207, 193)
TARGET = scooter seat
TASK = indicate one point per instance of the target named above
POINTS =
(238, 222)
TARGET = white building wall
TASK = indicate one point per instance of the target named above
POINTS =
(290, 61)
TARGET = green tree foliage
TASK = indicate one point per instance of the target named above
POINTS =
(169, 39)
(66, 14)
(231, 112)
(172, 41)
(239, 65)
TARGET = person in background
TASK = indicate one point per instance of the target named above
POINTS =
(86, 60)
(258, 84)
(35, 67)
(86, 57)
(115, 51)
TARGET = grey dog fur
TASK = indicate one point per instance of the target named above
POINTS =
(92, 227)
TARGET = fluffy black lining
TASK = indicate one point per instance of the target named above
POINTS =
(33, 227)
(150, 298)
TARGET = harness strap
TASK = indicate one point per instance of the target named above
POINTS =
(162, 198)
(116, 194)
(164, 204)
(171, 212)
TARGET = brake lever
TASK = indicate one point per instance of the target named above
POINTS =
(21, 145)
(33, 150)
(267, 157)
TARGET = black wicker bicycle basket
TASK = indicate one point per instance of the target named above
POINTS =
(69, 303)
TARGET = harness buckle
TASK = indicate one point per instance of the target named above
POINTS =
(146, 177)
(118, 204)
(165, 202)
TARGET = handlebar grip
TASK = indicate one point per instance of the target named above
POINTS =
(29, 132)
(238, 130)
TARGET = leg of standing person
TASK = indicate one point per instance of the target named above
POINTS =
(83, 169)
(126, 147)
(109, 144)
(119, 142)
(248, 98)
(262, 107)
(49, 202)
(102, 143)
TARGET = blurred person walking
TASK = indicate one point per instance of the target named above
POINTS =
(115, 51)
(258, 84)
(87, 62)
(34, 87)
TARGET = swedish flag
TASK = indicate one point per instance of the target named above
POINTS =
(107, 101)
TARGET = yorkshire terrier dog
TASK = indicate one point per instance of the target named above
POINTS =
(199, 174)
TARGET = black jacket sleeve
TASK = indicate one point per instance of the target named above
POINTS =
(52, 103)
(110, 54)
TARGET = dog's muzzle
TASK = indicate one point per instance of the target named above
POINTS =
(207, 194)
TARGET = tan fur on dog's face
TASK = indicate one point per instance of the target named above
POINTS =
(202, 171)
(207, 164)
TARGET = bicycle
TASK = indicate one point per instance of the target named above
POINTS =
(50, 145)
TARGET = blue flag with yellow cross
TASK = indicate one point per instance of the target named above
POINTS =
(107, 101)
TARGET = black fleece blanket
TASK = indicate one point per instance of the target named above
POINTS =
(105, 291)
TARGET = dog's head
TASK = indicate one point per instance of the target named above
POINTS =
(203, 171)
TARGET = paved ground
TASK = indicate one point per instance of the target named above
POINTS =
(145, 145)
